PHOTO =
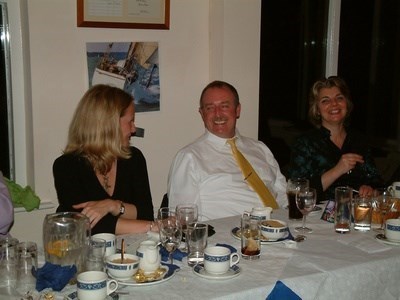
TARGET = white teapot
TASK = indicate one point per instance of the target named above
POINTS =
(149, 255)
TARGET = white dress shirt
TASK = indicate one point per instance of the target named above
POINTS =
(206, 173)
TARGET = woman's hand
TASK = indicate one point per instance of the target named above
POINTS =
(96, 210)
(348, 161)
(365, 191)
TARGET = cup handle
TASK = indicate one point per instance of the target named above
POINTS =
(112, 286)
(235, 258)
(391, 189)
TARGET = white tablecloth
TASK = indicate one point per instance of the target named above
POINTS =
(327, 265)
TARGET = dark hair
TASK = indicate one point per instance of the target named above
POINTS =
(221, 85)
(330, 82)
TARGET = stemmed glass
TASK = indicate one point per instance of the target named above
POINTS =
(186, 214)
(170, 230)
(383, 202)
(305, 200)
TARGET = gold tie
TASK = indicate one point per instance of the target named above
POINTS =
(252, 177)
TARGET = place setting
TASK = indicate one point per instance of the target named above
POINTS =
(272, 230)
(220, 263)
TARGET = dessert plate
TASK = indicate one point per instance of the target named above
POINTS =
(381, 237)
(233, 271)
(236, 234)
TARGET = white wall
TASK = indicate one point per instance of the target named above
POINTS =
(207, 40)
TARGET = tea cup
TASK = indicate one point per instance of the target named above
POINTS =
(94, 285)
(218, 259)
(122, 270)
(111, 242)
(392, 230)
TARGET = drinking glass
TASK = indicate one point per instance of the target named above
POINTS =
(186, 214)
(170, 231)
(383, 202)
(305, 201)
(293, 186)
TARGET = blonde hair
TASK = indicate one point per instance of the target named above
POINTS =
(330, 82)
(95, 130)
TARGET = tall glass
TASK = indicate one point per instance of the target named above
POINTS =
(343, 208)
(293, 186)
(186, 214)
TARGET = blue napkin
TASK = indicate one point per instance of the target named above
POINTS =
(289, 237)
(53, 276)
(233, 249)
(171, 269)
(281, 291)
(177, 254)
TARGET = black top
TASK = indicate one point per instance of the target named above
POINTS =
(314, 153)
(76, 182)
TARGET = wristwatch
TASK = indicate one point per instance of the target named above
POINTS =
(122, 209)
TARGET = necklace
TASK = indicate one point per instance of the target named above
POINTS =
(106, 184)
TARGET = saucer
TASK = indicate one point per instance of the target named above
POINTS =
(233, 271)
(381, 237)
(148, 281)
(236, 234)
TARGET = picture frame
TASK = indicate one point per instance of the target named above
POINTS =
(135, 14)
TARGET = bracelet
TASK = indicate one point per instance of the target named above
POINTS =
(122, 208)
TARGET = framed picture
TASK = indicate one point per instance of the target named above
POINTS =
(139, 14)
(132, 66)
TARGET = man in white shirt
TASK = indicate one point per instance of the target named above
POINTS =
(205, 172)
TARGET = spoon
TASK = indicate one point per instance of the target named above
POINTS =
(122, 250)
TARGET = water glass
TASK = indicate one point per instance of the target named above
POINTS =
(250, 238)
(196, 239)
(186, 213)
(95, 255)
(362, 213)
(27, 262)
(293, 186)
(8, 262)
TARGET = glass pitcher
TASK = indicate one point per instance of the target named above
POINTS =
(66, 237)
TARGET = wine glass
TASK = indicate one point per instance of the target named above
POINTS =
(383, 202)
(170, 231)
(305, 200)
(186, 214)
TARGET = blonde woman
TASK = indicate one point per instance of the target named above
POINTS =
(99, 173)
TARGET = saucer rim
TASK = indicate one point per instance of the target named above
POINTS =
(263, 240)
(381, 237)
(224, 276)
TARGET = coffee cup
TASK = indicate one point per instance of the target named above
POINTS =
(392, 230)
(111, 242)
(218, 259)
(395, 189)
(94, 285)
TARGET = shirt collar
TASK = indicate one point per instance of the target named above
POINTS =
(221, 142)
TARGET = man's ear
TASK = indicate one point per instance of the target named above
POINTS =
(238, 109)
